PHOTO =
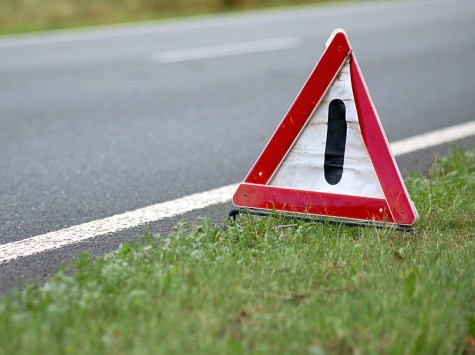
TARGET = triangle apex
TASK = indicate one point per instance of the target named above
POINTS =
(333, 35)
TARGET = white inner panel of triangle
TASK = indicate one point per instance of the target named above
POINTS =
(303, 166)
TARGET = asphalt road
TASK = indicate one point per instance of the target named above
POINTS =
(93, 125)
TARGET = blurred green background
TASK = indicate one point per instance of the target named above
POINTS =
(33, 15)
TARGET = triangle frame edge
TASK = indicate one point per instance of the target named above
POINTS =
(401, 206)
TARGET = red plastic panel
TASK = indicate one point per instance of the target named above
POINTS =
(309, 97)
(379, 152)
(315, 203)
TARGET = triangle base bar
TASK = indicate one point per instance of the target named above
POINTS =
(265, 197)
(313, 219)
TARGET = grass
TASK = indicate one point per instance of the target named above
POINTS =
(258, 286)
(34, 15)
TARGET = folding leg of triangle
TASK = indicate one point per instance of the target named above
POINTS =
(330, 156)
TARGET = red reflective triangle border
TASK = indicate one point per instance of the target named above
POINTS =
(254, 193)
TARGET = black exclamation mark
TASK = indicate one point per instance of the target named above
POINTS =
(336, 141)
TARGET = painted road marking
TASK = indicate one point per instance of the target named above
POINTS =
(75, 234)
(225, 50)
(431, 139)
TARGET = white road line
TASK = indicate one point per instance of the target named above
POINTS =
(431, 139)
(75, 234)
(224, 50)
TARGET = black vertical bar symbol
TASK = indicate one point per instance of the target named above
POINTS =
(336, 142)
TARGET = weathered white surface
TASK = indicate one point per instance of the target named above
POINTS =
(303, 168)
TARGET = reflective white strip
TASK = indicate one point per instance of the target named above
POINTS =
(224, 50)
(75, 234)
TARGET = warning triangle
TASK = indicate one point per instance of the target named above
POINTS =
(330, 156)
